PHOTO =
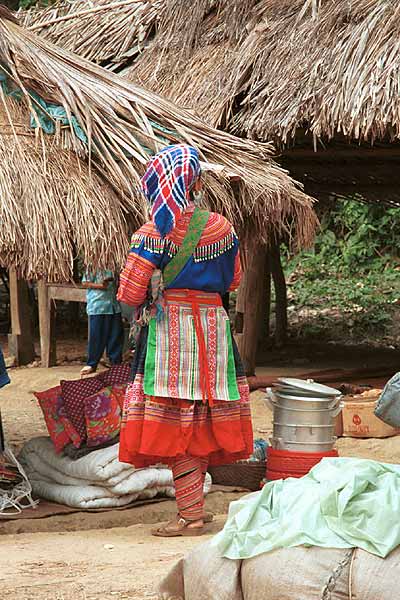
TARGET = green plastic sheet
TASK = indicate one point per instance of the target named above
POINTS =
(341, 503)
(50, 113)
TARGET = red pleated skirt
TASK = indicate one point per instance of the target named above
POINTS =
(158, 430)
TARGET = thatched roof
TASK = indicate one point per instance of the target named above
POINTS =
(323, 66)
(107, 32)
(189, 61)
(191, 65)
(260, 68)
(109, 128)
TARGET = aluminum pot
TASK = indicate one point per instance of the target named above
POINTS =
(279, 444)
(304, 433)
(303, 416)
(302, 402)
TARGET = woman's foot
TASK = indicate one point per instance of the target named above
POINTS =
(88, 370)
(180, 527)
(208, 517)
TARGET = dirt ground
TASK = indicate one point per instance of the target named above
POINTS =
(107, 555)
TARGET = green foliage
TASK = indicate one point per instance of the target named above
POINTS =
(352, 274)
(25, 4)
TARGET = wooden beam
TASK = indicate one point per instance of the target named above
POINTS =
(20, 340)
(46, 326)
(391, 153)
(67, 293)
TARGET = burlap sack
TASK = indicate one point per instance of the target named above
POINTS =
(203, 575)
(374, 578)
(286, 574)
(297, 574)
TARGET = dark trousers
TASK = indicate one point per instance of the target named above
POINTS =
(105, 333)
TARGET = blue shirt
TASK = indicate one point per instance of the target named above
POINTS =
(213, 275)
(4, 379)
(101, 302)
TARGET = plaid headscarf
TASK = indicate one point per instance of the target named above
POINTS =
(167, 182)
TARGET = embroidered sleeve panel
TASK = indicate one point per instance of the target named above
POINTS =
(134, 280)
(218, 237)
(237, 275)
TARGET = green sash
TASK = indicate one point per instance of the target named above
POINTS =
(195, 229)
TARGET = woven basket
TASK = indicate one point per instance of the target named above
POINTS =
(246, 474)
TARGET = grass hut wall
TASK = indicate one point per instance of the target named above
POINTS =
(104, 128)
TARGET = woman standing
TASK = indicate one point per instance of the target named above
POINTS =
(188, 403)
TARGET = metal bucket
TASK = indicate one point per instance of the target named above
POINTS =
(279, 444)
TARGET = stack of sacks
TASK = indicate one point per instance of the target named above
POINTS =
(97, 480)
(85, 412)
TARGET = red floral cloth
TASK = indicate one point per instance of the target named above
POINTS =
(75, 393)
(61, 430)
(103, 415)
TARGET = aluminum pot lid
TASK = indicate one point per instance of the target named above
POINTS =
(286, 390)
(317, 389)
(329, 402)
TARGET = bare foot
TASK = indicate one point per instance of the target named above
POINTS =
(87, 370)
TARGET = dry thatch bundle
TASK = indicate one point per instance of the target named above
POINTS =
(107, 32)
(265, 68)
(325, 65)
(191, 64)
(114, 126)
(51, 207)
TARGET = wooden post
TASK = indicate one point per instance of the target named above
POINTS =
(281, 319)
(20, 340)
(46, 326)
(250, 302)
(265, 305)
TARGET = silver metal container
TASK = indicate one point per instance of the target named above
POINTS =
(280, 444)
(303, 414)
(302, 402)
(303, 420)
(305, 387)
(314, 434)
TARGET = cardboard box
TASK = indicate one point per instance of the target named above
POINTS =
(339, 425)
(359, 420)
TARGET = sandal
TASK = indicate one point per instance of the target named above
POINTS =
(208, 517)
(181, 529)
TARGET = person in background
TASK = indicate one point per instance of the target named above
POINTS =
(4, 380)
(105, 320)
